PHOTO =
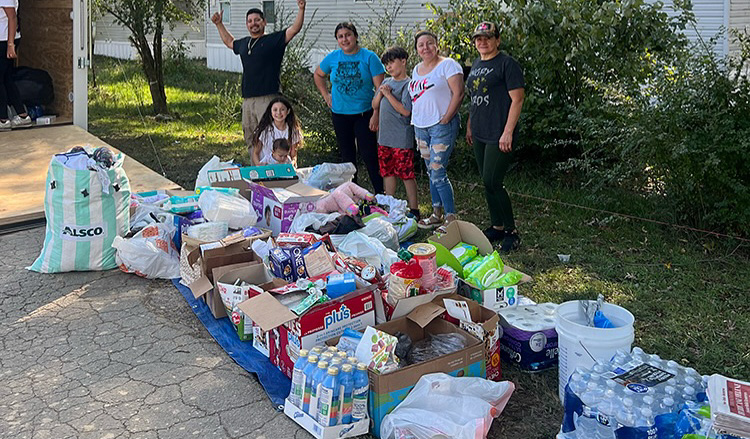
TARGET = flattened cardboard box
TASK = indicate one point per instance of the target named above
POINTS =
(464, 231)
(387, 391)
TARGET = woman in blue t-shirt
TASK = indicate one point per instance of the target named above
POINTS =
(355, 74)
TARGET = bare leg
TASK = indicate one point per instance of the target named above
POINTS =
(390, 185)
(411, 193)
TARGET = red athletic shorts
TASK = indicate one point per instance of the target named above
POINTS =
(397, 162)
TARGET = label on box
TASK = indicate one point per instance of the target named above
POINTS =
(458, 309)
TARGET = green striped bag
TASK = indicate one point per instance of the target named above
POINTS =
(83, 220)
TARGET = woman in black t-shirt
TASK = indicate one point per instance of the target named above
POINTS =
(496, 87)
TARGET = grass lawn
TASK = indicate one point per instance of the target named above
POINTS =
(688, 291)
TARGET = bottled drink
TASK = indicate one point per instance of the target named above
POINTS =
(588, 425)
(329, 398)
(626, 414)
(645, 419)
(606, 415)
(327, 356)
(332, 349)
(354, 362)
(312, 365)
(667, 405)
(318, 376)
(298, 379)
(359, 394)
(343, 355)
(346, 387)
(317, 350)
(337, 362)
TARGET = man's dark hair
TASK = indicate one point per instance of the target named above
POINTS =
(255, 11)
(394, 53)
(281, 144)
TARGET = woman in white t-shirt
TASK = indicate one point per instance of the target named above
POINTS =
(278, 122)
(436, 89)
(10, 37)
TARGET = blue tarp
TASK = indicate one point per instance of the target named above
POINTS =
(275, 383)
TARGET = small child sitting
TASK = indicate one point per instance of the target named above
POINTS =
(279, 154)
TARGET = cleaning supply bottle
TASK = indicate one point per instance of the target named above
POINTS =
(360, 392)
(346, 387)
(309, 369)
(329, 398)
(318, 376)
(298, 379)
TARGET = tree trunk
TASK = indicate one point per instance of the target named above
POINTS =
(153, 71)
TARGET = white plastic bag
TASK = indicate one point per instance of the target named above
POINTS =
(365, 248)
(213, 164)
(444, 406)
(327, 176)
(232, 209)
(150, 253)
(317, 220)
(383, 231)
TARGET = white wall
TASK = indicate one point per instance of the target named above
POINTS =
(739, 18)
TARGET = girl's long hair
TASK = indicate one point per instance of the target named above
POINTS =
(292, 123)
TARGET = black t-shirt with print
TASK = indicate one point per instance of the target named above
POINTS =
(488, 84)
(261, 63)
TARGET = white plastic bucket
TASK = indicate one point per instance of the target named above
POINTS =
(581, 345)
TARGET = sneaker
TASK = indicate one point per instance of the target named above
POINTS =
(5, 126)
(511, 242)
(493, 234)
(414, 213)
(20, 122)
(430, 222)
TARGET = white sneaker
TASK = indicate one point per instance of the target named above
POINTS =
(5, 126)
(20, 122)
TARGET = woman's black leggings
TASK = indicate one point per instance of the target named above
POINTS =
(8, 91)
(352, 133)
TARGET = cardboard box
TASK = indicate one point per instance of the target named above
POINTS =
(215, 262)
(259, 280)
(482, 323)
(320, 432)
(388, 390)
(405, 306)
(290, 333)
(277, 203)
(252, 173)
(463, 231)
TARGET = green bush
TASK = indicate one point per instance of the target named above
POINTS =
(562, 46)
(683, 138)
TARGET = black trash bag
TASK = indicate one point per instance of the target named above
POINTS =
(403, 347)
(34, 86)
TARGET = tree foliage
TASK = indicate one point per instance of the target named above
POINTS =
(147, 20)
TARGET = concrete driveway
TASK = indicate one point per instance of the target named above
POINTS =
(111, 355)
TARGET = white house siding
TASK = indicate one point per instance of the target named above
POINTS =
(329, 14)
(712, 18)
(739, 18)
(111, 39)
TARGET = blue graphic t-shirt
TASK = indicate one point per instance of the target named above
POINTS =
(351, 78)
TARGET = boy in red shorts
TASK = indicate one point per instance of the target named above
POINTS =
(395, 133)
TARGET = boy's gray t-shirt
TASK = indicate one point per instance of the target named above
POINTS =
(395, 130)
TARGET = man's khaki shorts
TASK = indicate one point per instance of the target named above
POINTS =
(252, 112)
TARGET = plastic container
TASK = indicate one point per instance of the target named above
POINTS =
(346, 387)
(329, 399)
(340, 284)
(359, 394)
(309, 369)
(298, 379)
(317, 379)
(581, 346)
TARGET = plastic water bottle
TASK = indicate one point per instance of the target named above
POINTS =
(318, 376)
(354, 362)
(606, 416)
(337, 362)
(587, 425)
(343, 355)
(329, 398)
(645, 420)
(332, 349)
(667, 405)
(327, 356)
(346, 387)
(312, 365)
(298, 379)
(360, 392)
(317, 350)
(626, 414)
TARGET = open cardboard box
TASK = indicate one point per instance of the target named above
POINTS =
(481, 322)
(406, 305)
(463, 231)
(388, 390)
(276, 202)
(320, 432)
(289, 333)
(225, 253)
(259, 279)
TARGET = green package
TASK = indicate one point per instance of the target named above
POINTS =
(488, 271)
(508, 279)
(464, 252)
(472, 265)
(309, 301)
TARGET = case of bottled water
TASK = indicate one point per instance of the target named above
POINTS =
(634, 396)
